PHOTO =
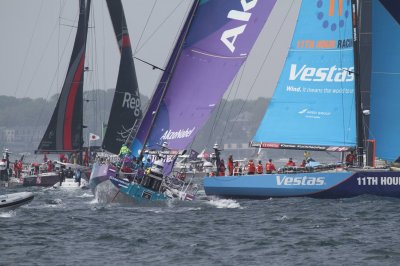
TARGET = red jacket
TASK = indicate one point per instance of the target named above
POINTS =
(260, 169)
(251, 168)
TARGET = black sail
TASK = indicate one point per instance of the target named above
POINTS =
(64, 132)
(126, 110)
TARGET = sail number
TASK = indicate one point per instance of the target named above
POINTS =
(374, 181)
(131, 102)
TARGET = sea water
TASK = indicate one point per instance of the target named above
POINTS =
(69, 227)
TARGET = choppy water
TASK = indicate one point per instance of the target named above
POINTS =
(70, 228)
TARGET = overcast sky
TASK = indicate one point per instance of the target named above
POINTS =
(37, 37)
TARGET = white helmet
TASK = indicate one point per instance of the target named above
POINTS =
(216, 146)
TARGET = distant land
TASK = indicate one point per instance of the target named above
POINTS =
(24, 120)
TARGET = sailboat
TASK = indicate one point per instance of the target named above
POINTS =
(64, 132)
(317, 105)
(214, 43)
(126, 112)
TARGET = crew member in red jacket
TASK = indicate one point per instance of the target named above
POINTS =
(251, 168)
(269, 167)
(230, 165)
(259, 168)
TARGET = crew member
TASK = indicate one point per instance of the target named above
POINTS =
(290, 163)
(259, 168)
(124, 151)
(237, 170)
(350, 159)
(251, 168)
(230, 165)
(269, 167)
(221, 168)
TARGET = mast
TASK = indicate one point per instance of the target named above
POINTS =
(170, 69)
(359, 114)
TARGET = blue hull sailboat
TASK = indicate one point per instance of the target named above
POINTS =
(320, 104)
(214, 43)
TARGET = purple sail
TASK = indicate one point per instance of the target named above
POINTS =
(218, 41)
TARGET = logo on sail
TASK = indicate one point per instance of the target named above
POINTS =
(336, 16)
(313, 114)
(321, 74)
(132, 102)
(182, 133)
(229, 36)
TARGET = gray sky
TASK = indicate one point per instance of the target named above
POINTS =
(36, 38)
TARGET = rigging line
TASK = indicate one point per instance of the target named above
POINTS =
(237, 90)
(232, 104)
(267, 55)
(40, 60)
(27, 50)
(145, 26)
(102, 114)
(343, 33)
(55, 76)
(138, 49)
(94, 76)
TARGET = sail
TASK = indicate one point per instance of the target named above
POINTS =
(203, 64)
(313, 105)
(385, 91)
(126, 107)
(64, 132)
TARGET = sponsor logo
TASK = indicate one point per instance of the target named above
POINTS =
(375, 181)
(322, 74)
(169, 134)
(270, 145)
(300, 181)
(229, 36)
(313, 114)
(332, 14)
(131, 102)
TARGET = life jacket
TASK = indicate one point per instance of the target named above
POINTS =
(269, 167)
(259, 168)
(251, 168)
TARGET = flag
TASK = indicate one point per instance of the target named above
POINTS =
(93, 137)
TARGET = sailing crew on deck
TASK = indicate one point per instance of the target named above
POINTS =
(124, 151)
(269, 167)
(230, 164)
(259, 168)
(290, 163)
(221, 168)
(350, 158)
(251, 168)
(237, 170)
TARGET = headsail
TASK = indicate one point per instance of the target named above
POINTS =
(385, 91)
(313, 103)
(126, 108)
(217, 43)
(64, 132)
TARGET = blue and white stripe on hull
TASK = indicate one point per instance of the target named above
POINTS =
(318, 185)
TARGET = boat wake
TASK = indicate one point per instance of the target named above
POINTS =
(8, 214)
(86, 195)
(224, 204)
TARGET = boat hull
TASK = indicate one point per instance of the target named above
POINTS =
(14, 200)
(137, 191)
(42, 180)
(100, 173)
(317, 185)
